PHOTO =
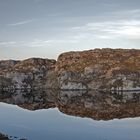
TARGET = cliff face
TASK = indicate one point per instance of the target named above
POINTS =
(108, 69)
(104, 69)
(30, 73)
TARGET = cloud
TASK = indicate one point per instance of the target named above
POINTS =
(124, 13)
(109, 29)
(38, 43)
(132, 32)
(91, 33)
(10, 43)
(21, 22)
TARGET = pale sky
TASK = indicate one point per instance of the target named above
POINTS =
(46, 28)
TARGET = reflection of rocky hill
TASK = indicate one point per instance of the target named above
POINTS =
(92, 104)
(106, 69)
(100, 106)
(31, 100)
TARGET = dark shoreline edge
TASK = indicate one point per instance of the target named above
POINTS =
(3, 137)
(54, 89)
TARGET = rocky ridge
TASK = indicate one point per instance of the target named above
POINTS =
(29, 73)
(102, 69)
(106, 69)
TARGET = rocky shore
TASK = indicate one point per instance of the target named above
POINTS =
(99, 69)
(3, 137)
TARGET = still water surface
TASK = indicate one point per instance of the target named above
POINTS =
(86, 116)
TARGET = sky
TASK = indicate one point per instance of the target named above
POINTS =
(46, 28)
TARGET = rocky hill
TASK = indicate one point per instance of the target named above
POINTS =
(102, 69)
(30, 73)
(7, 64)
(108, 69)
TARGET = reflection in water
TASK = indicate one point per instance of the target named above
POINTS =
(100, 106)
(92, 104)
(49, 124)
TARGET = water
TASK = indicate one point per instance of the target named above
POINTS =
(70, 115)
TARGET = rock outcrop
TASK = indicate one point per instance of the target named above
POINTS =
(30, 73)
(102, 69)
(3, 137)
